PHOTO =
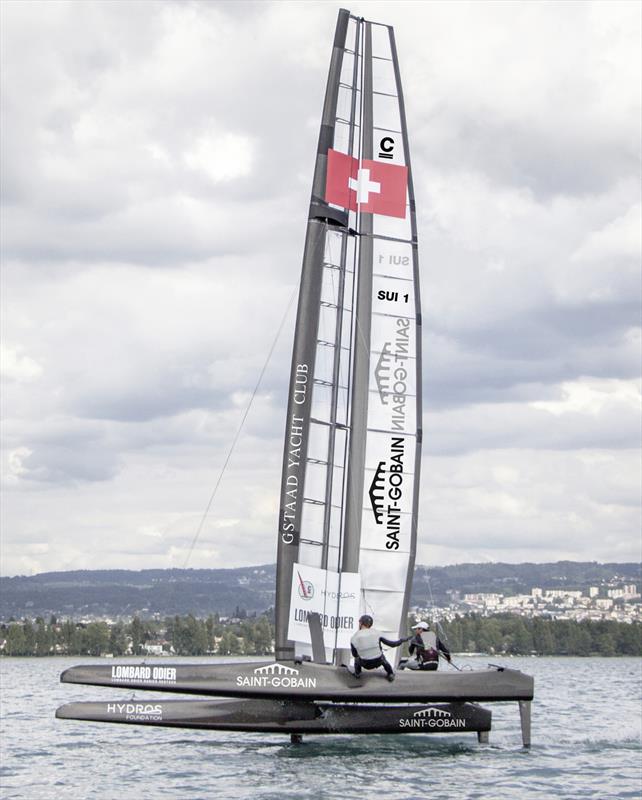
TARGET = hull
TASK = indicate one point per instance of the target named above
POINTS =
(280, 716)
(309, 681)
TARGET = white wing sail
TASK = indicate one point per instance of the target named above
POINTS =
(351, 462)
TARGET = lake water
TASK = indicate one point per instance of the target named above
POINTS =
(586, 744)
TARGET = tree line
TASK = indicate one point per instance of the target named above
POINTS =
(179, 635)
(192, 636)
(508, 634)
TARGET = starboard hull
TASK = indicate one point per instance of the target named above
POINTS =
(283, 716)
(308, 681)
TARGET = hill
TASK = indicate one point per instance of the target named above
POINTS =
(123, 593)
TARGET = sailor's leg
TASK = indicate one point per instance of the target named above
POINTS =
(386, 665)
(388, 668)
(357, 667)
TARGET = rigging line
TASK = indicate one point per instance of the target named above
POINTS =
(240, 428)
(438, 626)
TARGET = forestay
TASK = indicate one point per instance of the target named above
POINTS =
(348, 510)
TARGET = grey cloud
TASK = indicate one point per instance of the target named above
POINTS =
(549, 160)
(63, 465)
(506, 425)
(147, 268)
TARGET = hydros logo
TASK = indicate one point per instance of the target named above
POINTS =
(140, 673)
(277, 676)
(305, 588)
(386, 492)
(137, 712)
(432, 717)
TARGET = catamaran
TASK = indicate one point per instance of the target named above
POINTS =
(347, 529)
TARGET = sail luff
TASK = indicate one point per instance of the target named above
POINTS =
(304, 354)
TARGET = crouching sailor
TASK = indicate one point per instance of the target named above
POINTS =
(366, 648)
(425, 645)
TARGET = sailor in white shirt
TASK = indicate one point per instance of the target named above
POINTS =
(366, 648)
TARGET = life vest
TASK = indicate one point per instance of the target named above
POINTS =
(429, 643)
(366, 643)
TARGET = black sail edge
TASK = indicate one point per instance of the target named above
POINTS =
(321, 215)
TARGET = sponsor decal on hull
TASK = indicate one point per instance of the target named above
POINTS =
(277, 676)
(143, 673)
(137, 712)
(433, 718)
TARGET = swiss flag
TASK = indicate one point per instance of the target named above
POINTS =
(378, 188)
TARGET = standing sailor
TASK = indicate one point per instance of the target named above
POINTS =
(366, 648)
(425, 646)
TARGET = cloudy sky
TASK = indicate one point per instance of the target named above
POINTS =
(157, 160)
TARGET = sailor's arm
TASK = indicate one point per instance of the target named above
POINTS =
(441, 646)
(394, 642)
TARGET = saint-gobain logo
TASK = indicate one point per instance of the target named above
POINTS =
(306, 588)
(276, 676)
(276, 669)
(376, 493)
(386, 492)
(432, 712)
(434, 719)
(382, 373)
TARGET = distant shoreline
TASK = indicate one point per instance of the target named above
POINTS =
(491, 637)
